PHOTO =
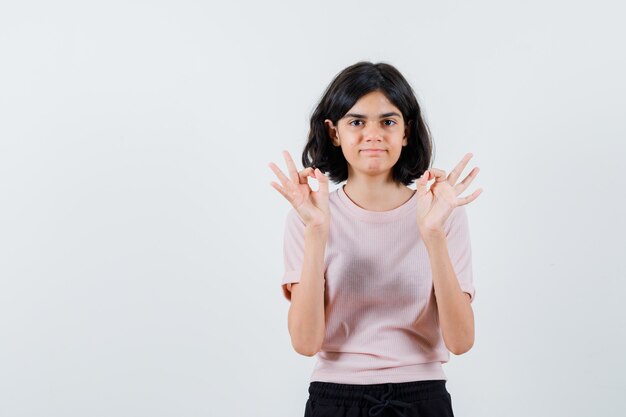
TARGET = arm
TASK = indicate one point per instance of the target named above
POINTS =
(306, 320)
(456, 316)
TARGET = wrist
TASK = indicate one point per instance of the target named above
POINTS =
(316, 229)
(432, 234)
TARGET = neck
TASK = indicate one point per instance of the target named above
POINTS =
(376, 193)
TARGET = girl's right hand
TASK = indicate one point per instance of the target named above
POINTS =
(312, 206)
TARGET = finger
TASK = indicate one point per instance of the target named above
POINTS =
(460, 187)
(456, 172)
(282, 177)
(438, 174)
(289, 190)
(291, 167)
(279, 189)
(304, 174)
(466, 200)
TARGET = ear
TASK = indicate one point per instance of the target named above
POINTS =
(332, 131)
(407, 132)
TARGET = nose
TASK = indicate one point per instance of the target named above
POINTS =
(373, 132)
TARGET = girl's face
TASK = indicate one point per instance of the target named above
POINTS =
(371, 135)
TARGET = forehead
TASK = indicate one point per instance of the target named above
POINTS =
(372, 104)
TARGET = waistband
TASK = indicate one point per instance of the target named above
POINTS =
(397, 396)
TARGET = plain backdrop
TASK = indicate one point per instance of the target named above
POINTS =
(141, 242)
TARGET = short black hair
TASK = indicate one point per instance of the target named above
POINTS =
(342, 93)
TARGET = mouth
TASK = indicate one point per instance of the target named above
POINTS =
(373, 151)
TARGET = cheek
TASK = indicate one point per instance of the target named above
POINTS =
(350, 144)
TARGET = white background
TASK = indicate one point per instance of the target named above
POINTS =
(141, 242)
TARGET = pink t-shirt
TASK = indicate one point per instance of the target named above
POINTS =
(380, 308)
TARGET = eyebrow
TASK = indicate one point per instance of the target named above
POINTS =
(362, 116)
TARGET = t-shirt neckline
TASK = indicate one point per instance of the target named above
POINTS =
(376, 216)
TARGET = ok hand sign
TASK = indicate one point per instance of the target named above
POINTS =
(312, 206)
(435, 204)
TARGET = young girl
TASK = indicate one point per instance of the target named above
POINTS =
(379, 275)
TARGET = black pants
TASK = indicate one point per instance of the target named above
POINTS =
(404, 399)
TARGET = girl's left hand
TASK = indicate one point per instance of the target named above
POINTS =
(434, 205)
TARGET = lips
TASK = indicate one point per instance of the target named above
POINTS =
(373, 151)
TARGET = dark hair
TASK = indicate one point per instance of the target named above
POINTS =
(343, 92)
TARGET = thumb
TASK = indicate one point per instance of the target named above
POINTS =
(322, 180)
(422, 183)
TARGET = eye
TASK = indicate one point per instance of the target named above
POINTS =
(392, 121)
(354, 122)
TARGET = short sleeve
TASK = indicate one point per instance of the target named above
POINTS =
(293, 251)
(460, 250)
